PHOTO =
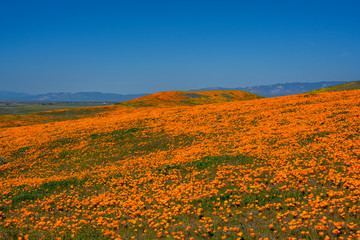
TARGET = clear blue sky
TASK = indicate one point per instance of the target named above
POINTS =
(149, 46)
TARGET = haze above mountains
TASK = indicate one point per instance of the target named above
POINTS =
(273, 90)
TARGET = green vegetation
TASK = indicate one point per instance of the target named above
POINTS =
(341, 87)
(21, 114)
(2, 161)
(208, 163)
(20, 108)
(189, 98)
(25, 192)
(117, 134)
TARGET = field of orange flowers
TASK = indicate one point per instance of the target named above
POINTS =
(276, 168)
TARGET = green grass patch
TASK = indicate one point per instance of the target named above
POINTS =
(265, 197)
(66, 153)
(24, 193)
(310, 138)
(117, 134)
(21, 152)
(208, 202)
(85, 233)
(167, 169)
(208, 162)
(30, 107)
(340, 87)
(211, 161)
(2, 161)
(63, 141)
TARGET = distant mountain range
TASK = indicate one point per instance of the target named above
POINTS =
(274, 90)
(72, 97)
(281, 89)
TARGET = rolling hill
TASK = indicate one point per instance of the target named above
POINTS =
(340, 87)
(269, 168)
(189, 98)
(73, 111)
(281, 89)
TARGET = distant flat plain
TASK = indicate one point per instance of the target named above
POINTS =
(28, 107)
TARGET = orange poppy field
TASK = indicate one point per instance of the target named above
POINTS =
(266, 168)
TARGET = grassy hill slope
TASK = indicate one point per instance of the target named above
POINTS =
(275, 168)
(340, 87)
(189, 98)
(161, 99)
(41, 117)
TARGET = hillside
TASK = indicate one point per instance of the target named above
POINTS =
(270, 168)
(27, 107)
(77, 110)
(189, 98)
(339, 87)
(282, 89)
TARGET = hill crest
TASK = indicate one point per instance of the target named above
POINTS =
(189, 98)
(340, 87)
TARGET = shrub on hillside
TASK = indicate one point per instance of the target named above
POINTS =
(2, 161)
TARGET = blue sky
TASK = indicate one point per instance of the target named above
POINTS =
(150, 46)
